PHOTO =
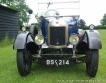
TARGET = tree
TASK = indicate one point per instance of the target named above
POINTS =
(21, 6)
(103, 21)
(82, 23)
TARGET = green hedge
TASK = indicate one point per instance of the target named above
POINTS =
(6, 42)
(96, 27)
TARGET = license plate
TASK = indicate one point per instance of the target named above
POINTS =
(57, 62)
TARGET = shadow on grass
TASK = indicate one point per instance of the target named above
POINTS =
(51, 74)
(77, 70)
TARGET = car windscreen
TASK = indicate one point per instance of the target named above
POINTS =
(64, 7)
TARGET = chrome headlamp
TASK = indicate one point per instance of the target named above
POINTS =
(39, 39)
(23, 29)
(91, 27)
(74, 39)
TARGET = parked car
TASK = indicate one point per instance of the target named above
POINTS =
(58, 41)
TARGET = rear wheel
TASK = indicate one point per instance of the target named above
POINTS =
(24, 61)
(92, 62)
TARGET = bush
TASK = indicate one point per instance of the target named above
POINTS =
(100, 27)
(96, 27)
(6, 42)
(84, 28)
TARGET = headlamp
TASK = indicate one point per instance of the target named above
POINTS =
(91, 27)
(23, 29)
(39, 39)
(74, 39)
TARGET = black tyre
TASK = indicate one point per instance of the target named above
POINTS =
(24, 62)
(92, 62)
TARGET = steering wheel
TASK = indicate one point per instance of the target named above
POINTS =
(51, 12)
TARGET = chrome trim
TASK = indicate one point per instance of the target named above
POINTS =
(58, 23)
(57, 47)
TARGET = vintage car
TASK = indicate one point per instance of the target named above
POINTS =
(58, 41)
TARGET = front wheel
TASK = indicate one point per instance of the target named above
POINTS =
(24, 62)
(92, 62)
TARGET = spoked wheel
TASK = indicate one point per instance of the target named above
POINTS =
(92, 62)
(24, 61)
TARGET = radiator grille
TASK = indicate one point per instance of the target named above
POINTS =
(57, 36)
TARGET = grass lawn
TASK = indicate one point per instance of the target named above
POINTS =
(50, 74)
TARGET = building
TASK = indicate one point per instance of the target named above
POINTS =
(8, 22)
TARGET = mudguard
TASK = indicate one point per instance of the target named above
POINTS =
(21, 40)
(92, 38)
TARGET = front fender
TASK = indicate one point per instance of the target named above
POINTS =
(21, 40)
(93, 39)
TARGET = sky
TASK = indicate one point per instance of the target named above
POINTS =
(91, 11)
